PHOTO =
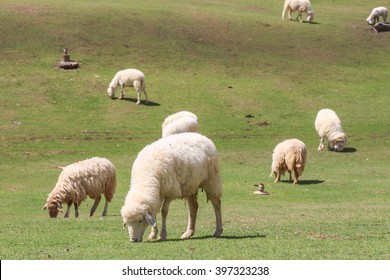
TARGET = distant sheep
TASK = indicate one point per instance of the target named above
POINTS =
(174, 167)
(92, 177)
(375, 14)
(180, 122)
(300, 6)
(289, 155)
(328, 125)
(130, 78)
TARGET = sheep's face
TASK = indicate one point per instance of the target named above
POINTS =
(53, 208)
(138, 225)
(110, 92)
(338, 144)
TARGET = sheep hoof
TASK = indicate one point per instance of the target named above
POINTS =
(152, 236)
(187, 234)
(162, 238)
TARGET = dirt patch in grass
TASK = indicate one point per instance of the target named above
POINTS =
(258, 123)
(30, 10)
(255, 9)
(319, 236)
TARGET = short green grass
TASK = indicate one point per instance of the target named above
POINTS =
(223, 60)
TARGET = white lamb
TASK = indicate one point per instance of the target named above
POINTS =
(176, 166)
(92, 177)
(180, 122)
(289, 155)
(130, 78)
(328, 125)
(300, 6)
(376, 13)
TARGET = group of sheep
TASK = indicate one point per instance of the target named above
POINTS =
(290, 155)
(176, 166)
(180, 163)
(304, 6)
(173, 167)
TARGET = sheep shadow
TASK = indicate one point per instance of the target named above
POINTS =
(303, 182)
(348, 150)
(305, 21)
(134, 100)
(310, 182)
(227, 237)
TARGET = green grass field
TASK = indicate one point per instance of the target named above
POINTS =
(222, 60)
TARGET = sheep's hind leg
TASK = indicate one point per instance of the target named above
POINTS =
(296, 177)
(218, 216)
(76, 210)
(290, 178)
(192, 212)
(95, 205)
(146, 97)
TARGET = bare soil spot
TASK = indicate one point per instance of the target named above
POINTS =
(30, 10)
(255, 9)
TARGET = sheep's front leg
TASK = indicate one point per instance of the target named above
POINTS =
(67, 209)
(321, 146)
(289, 14)
(153, 233)
(277, 179)
(164, 214)
(299, 17)
(121, 96)
(95, 205)
(192, 212)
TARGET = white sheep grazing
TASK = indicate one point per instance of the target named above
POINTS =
(180, 122)
(328, 125)
(92, 177)
(130, 78)
(300, 6)
(174, 167)
(289, 155)
(376, 13)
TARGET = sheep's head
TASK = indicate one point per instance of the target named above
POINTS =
(339, 143)
(53, 207)
(111, 92)
(138, 224)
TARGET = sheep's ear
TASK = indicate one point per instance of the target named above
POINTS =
(151, 221)
(44, 207)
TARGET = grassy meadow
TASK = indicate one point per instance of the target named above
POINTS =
(252, 78)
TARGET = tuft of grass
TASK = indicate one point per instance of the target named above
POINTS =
(252, 79)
